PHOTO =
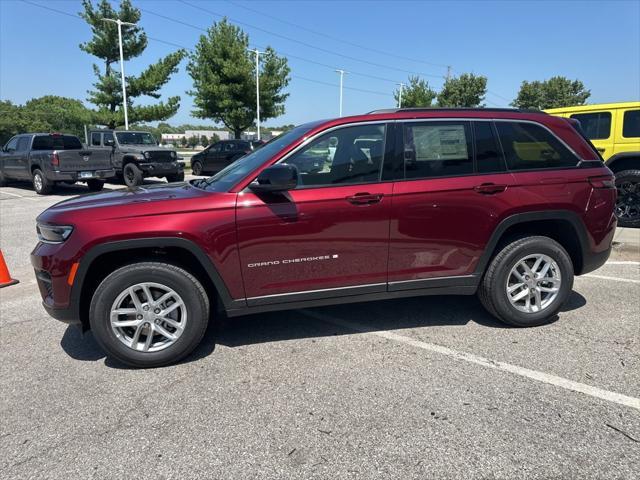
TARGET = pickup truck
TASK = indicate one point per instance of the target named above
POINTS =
(50, 158)
(136, 155)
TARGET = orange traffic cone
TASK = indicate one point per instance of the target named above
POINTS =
(5, 278)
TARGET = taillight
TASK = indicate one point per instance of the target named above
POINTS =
(606, 181)
(55, 159)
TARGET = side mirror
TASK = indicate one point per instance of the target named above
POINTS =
(276, 178)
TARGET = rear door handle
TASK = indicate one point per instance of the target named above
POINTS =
(365, 198)
(489, 188)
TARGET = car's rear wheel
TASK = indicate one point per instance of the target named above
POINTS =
(628, 200)
(41, 184)
(95, 185)
(175, 177)
(196, 168)
(132, 175)
(149, 314)
(527, 282)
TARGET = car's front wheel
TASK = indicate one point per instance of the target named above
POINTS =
(149, 314)
(527, 282)
(175, 177)
(132, 175)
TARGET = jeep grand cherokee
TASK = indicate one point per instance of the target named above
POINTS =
(504, 203)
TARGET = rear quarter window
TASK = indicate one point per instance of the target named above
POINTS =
(631, 124)
(528, 146)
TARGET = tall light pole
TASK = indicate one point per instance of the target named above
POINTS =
(401, 85)
(124, 87)
(341, 72)
(257, 52)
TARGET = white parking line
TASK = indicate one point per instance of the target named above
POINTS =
(18, 196)
(615, 279)
(622, 262)
(547, 378)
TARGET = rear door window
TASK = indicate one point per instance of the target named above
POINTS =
(23, 144)
(528, 146)
(106, 136)
(95, 139)
(437, 149)
(488, 155)
(596, 126)
(631, 124)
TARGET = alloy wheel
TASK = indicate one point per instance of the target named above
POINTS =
(628, 201)
(148, 317)
(533, 283)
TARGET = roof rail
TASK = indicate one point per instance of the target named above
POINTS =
(463, 109)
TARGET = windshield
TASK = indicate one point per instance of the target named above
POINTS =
(230, 175)
(135, 138)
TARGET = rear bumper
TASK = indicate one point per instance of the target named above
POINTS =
(58, 176)
(161, 168)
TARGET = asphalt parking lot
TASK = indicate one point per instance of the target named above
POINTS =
(412, 388)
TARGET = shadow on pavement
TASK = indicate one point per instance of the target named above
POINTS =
(294, 324)
(65, 190)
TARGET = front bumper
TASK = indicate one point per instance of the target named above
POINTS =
(159, 169)
(58, 176)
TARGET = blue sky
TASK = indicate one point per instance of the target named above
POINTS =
(597, 42)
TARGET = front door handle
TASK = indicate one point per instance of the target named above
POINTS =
(365, 198)
(489, 188)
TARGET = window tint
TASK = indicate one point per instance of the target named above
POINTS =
(528, 146)
(95, 139)
(488, 155)
(106, 136)
(56, 142)
(631, 124)
(437, 149)
(217, 147)
(229, 146)
(23, 144)
(596, 126)
(12, 144)
(344, 156)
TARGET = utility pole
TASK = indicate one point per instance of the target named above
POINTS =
(401, 85)
(257, 52)
(448, 72)
(124, 87)
(341, 72)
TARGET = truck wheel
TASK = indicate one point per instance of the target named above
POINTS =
(95, 185)
(527, 282)
(132, 175)
(196, 168)
(149, 314)
(41, 184)
(175, 177)
(628, 201)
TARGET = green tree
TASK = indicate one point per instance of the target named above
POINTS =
(204, 141)
(467, 90)
(107, 95)
(11, 120)
(556, 92)
(183, 141)
(417, 93)
(193, 141)
(60, 114)
(224, 83)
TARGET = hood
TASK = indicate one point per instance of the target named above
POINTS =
(126, 197)
(142, 148)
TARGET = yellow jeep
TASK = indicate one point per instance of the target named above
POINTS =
(614, 129)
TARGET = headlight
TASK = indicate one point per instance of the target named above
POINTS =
(147, 155)
(53, 233)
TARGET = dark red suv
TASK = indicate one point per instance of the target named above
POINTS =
(509, 204)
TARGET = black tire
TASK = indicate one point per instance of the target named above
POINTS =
(176, 278)
(132, 175)
(628, 201)
(95, 185)
(493, 288)
(41, 184)
(196, 168)
(175, 177)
